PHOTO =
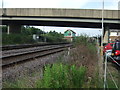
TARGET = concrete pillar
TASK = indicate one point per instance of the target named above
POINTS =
(14, 28)
(106, 34)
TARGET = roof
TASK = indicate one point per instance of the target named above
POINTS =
(70, 30)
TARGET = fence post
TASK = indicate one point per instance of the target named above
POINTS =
(118, 78)
(105, 73)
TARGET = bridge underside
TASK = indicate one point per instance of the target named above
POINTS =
(15, 23)
(62, 22)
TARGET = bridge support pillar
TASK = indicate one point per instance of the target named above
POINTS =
(106, 34)
(14, 28)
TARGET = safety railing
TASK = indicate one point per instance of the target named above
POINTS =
(107, 72)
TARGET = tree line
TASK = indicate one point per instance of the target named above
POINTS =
(26, 36)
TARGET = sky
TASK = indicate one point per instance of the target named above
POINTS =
(76, 4)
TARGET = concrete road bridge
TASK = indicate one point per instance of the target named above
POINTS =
(86, 18)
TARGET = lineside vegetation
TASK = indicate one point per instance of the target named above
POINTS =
(26, 36)
(77, 70)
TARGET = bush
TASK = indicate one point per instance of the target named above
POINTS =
(83, 39)
(62, 76)
(53, 36)
(86, 41)
(16, 39)
(57, 76)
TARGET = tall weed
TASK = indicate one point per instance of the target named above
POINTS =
(86, 41)
(62, 76)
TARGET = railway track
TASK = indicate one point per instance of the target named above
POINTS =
(11, 47)
(15, 56)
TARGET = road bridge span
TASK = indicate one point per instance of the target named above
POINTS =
(88, 18)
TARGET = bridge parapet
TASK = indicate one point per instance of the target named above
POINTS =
(59, 12)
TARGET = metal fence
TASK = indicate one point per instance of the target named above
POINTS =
(107, 72)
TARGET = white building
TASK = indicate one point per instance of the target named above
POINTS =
(114, 34)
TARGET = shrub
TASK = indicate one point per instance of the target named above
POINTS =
(16, 39)
(86, 41)
(62, 76)
(83, 39)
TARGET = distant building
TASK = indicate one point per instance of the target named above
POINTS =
(114, 34)
(69, 35)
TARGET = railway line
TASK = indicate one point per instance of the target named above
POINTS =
(18, 54)
(11, 47)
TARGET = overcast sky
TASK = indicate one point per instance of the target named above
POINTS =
(91, 4)
(78, 4)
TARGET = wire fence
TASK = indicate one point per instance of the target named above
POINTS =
(109, 77)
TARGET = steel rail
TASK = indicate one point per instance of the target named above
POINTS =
(21, 57)
(11, 47)
(22, 52)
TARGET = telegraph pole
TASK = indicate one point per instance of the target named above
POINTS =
(2, 7)
(102, 28)
(2, 3)
(102, 24)
(102, 44)
(118, 67)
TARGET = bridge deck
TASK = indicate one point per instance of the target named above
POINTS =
(60, 12)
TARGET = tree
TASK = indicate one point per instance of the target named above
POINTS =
(53, 36)
(4, 29)
(31, 30)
